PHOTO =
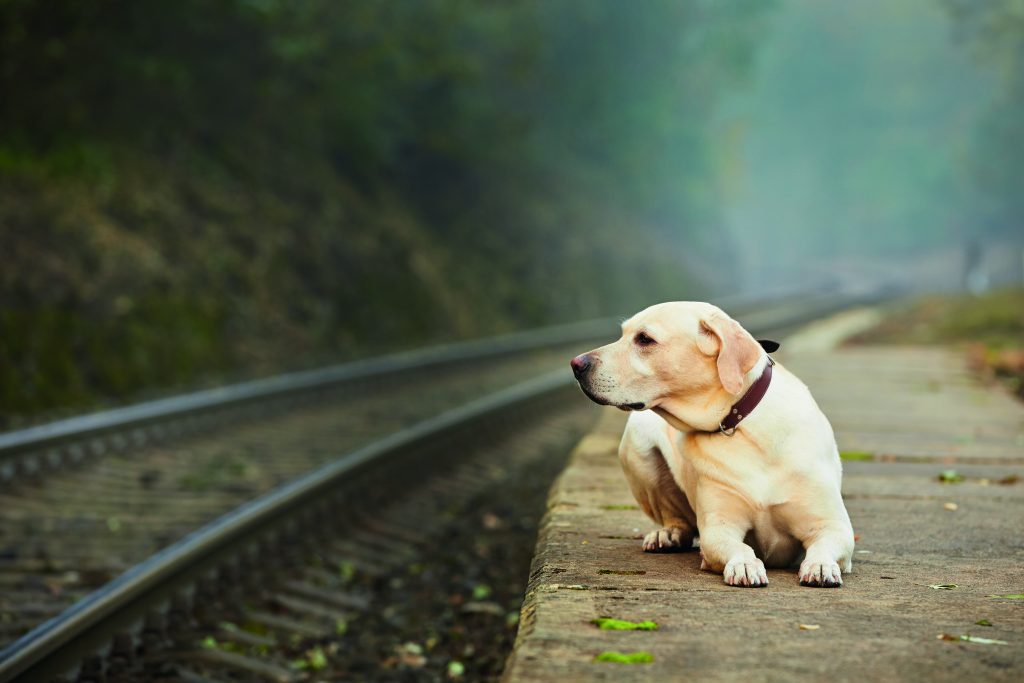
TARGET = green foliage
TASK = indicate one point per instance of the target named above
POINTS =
(315, 659)
(195, 191)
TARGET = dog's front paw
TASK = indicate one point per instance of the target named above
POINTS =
(747, 573)
(821, 574)
(668, 540)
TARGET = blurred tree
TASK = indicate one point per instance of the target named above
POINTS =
(191, 190)
(994, 33)
(850, 142)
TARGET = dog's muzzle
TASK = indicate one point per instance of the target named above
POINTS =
(581, 366)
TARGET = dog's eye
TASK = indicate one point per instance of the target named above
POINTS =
(642, 339)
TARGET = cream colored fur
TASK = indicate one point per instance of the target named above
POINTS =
(768, 495)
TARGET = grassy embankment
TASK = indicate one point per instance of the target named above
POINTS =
(195, 192)
(167, 281)
(990, 329)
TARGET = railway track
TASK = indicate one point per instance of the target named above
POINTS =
(70, 524)
(243, 597)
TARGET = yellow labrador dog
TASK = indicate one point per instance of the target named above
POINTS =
(729, 446)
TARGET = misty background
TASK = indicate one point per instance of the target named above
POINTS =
(194, 192)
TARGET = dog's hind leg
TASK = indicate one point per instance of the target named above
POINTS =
(641, 454)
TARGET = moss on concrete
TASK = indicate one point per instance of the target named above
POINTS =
(856, 455)
(612, 624)
(625, 657)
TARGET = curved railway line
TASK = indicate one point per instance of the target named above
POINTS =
(207, 537)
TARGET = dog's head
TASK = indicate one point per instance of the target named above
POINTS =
(670, 352)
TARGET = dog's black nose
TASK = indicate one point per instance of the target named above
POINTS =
(580, 364)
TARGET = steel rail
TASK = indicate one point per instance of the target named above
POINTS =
(87, 625)
(48, 445)
(86, 432)
(28, 655)
(84, 427)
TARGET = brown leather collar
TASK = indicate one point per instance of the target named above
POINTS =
(743, 407)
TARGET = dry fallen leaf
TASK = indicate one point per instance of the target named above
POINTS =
(809, 627)
(483, 607)
(971, 639)
(410, 655)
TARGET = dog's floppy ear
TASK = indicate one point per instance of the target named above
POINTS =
(737, 351)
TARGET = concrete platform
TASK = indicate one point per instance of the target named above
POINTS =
(915, 412)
